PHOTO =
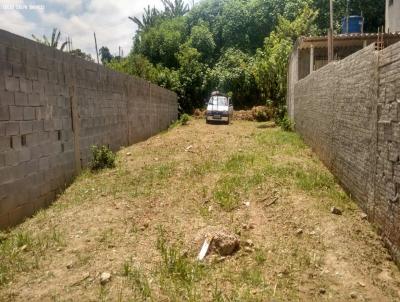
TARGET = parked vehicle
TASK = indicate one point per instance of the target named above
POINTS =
(219, 108)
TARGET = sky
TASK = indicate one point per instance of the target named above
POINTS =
(77, 19)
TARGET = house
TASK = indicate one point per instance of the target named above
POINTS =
(392, 16)
(311, 53)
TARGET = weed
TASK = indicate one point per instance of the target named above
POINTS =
(285, 123)
(227, 193)
(184, 119)
(137, 280)
(103, 158)
(260, 257)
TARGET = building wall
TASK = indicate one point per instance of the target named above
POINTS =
(53, 108)
(349, 113)
(392, 23)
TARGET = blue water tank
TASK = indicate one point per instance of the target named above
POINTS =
(356, 24)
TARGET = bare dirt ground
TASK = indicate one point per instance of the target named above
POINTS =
(144, 223)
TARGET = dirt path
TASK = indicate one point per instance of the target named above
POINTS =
(144, 222)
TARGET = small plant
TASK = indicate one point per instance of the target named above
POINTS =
(184, 119)
(103, 158)
(286, 124)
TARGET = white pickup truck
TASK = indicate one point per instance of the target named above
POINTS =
(219, 108)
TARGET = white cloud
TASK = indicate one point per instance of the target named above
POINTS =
(79, 19)
(13, 21)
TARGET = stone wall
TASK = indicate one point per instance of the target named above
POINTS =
(349, 113)
(53, 108)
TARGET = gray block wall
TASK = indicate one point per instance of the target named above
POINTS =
(349, 113)
(53, 108)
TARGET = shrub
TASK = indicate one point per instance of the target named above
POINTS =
(286, 124)
(103, 158)
(263, 113)
(184, 119)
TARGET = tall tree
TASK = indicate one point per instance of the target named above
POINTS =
(53, 42)
(105, 55)
(175, 8)
(149, 18)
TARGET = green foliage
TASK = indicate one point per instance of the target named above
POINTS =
(105, 55)
(184, 119)
(271, 63)
(286, 123)
(53, 42)
(80, 54)
(240, 47)
(103, 158)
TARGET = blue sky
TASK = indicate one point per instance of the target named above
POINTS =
(77, 19)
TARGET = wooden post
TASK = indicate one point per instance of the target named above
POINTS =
(330, 33)
(311, 59)
(97, 52)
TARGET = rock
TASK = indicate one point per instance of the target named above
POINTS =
(299, 231)
(362, 284)
(364, 216)
(225, 244)
(322, 291)
(70, 265)
(336, 211)
(248, 249)
(353, 295)
(128, 154)
(105, 278)
(24, 247)
(249, 243)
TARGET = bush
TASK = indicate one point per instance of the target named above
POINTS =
(286, 124)
(263, 113)
(184, 119)
(103, 158)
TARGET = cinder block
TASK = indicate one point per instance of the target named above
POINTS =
(32, 73)
(12, 128)
(34, 99)
(2, 160)
(29, 113)
(16, 142)
(20, 213)
(25, 85)
(24, 155)
(26, 127)
(16, 113)
(32, 139)
(11, 158)
(4, 113)
(13, 55)
(37, 126)
(12, 84)
(5, 143)
(21, 99)
(6, 98)
(18, 70)
(44, 163)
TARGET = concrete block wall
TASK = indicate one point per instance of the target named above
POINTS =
(349, 113)
(53, 108)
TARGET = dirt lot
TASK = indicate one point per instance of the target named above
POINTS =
(143, 223)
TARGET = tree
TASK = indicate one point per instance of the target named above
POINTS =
(149, 18)
(232, 74)
(105, 55)
(55, 39)
(202, 39)
(79, 53)
(271, 62)
(175, 8)
(161, 43)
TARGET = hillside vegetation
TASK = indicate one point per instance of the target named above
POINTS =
(240, 47)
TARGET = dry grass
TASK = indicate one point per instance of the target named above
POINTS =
(142, 222)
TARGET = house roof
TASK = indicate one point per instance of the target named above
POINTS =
(343, 40)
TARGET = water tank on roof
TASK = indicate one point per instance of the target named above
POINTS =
(352, 24)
